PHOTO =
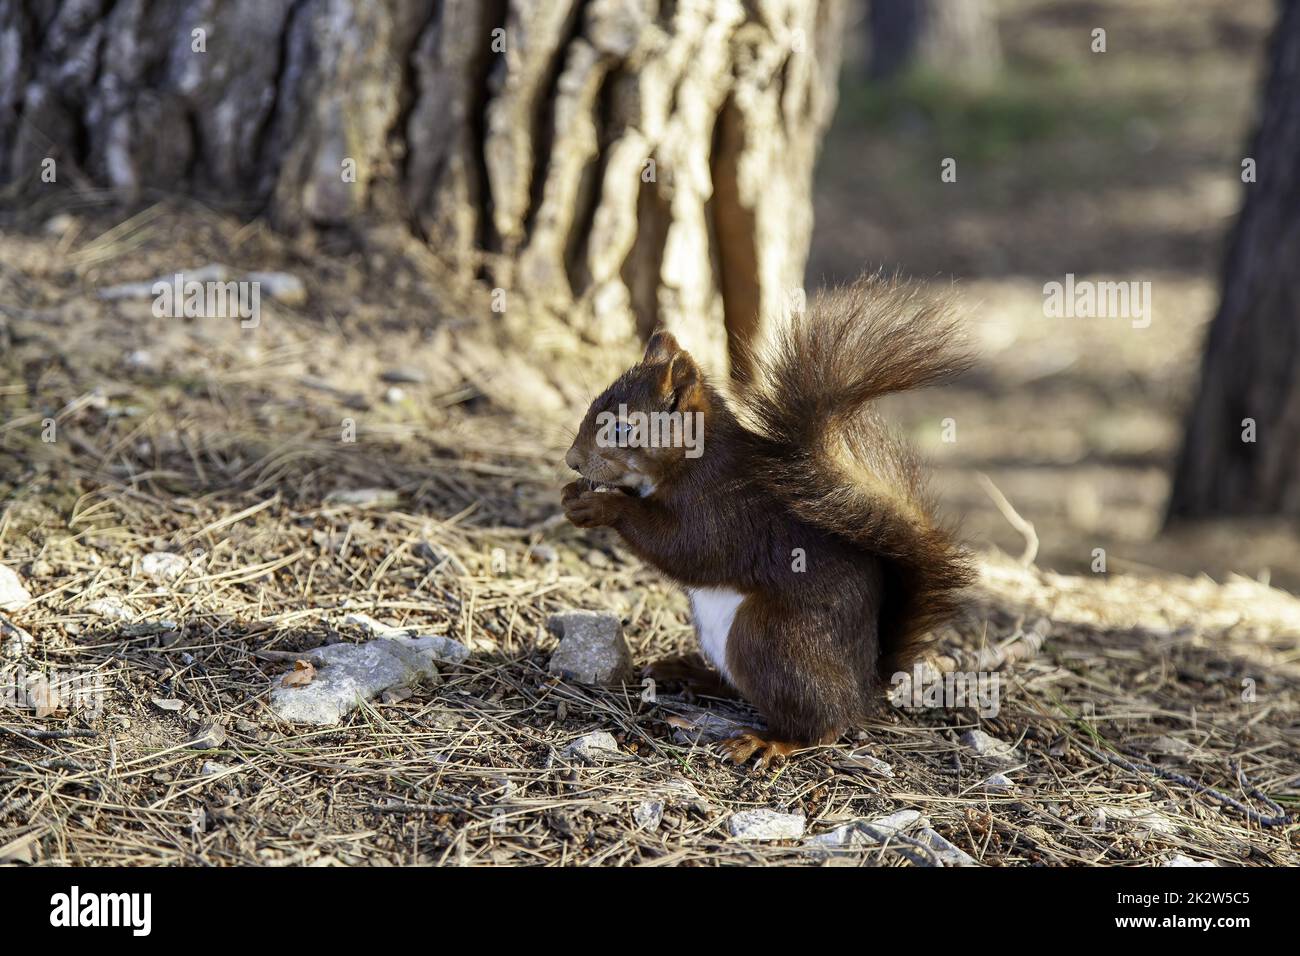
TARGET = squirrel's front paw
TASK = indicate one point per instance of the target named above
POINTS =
(573, 490)
(592, 509)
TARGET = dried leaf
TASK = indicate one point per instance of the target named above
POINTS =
(303, 673)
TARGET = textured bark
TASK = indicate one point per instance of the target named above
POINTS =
(623, 163)
(1251, 367)
(950, 36)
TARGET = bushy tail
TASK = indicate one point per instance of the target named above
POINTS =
(834, 461)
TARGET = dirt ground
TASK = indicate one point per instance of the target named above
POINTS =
(1149, 712)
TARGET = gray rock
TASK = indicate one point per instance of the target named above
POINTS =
(990, 747)
(766, 825)
(942, 852)
(209, 737)
(883, 828)
(347, 674)
(1147, 820)
(592, 648)
(594, 747)
(843, 836)
(999, 781)
(13, 596)
(866, 832)
(861, 760)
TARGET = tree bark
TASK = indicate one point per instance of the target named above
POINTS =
(1251, 366)
(953, 37)
(625, 164)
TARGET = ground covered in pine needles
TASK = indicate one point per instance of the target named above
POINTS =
(1144, 718)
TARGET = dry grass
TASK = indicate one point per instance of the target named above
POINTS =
(224, 447)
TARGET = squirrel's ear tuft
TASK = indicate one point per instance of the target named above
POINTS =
(661, 348)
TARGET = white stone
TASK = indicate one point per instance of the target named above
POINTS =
(990, 747)
(1146, 819)
(163, 567)
(280, 286)
(766, 825)
(111, 608)
(13, 596)
(649, 814)
(999, 781)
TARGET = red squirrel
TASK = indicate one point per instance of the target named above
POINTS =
(797, 522)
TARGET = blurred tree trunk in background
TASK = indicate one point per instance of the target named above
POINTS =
(953, 37)
(1251, 367)
(618, 163)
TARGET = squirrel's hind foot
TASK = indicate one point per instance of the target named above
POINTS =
(747, 743)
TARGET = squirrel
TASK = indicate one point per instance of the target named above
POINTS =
(797, 522)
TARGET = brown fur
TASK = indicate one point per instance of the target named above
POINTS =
(800, 462)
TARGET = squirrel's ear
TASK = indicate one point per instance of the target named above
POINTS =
(661, 348)
(682, 382)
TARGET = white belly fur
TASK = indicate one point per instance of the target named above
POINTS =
(714, 609)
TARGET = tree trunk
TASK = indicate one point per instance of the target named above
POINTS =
(1251, 367)
(622, 163)
(953, 37)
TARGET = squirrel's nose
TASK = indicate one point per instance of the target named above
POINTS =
(572, 458)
